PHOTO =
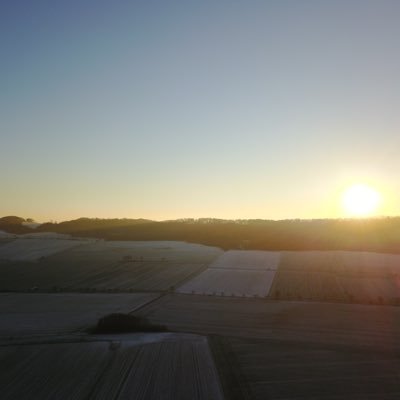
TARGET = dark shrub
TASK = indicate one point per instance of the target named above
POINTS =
(120, 323)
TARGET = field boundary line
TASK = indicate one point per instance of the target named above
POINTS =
(191, 276)
(231, 378)
(141, 306)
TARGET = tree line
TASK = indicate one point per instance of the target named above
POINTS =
(375, 234)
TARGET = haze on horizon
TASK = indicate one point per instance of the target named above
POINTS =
(226, 109)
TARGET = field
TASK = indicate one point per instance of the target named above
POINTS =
(26, 314)
(65, 265)
(163, 366)
(225, 282)
(359, 277)
(261, 349)
(236, 273)
(247, 336)
(292, 350)
(6, 235)
(373, 326)
(109, 266)
(263, 369)
(32, 249)
(248, 260)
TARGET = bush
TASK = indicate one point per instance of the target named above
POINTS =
(122, 323)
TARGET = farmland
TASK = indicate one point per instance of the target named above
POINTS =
(28, 314)
(259, 369)
(6, 235)
(225, 282)
(291, 350)
(105, 266)
(360, 277)
(373, 326)
(163, 366)
(32, 249)
(55, 263)
(251, 348)
(247, 260)
(242, 324)
(236, 273)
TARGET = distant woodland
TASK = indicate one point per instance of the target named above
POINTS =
(377, 235)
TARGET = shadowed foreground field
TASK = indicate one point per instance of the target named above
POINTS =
(241, 349)
(27, 314)
(275, 369)
(167, 366)
(293, 350)
(376, 327)
(262, 343)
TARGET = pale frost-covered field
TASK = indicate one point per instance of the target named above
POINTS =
(236, 273)
(33, 248)
(230, 282)
(6, 235)
(248, 259)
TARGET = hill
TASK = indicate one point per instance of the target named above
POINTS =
(377, 235)
(14, 224)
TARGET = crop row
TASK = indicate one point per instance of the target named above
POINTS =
(103, 266)
(169, 369)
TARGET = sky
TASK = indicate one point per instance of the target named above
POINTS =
(216, 108)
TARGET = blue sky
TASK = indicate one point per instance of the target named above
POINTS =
(169, 109)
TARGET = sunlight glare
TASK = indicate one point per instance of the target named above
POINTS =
(360, 200)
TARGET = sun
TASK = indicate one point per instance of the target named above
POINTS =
(360, 200)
